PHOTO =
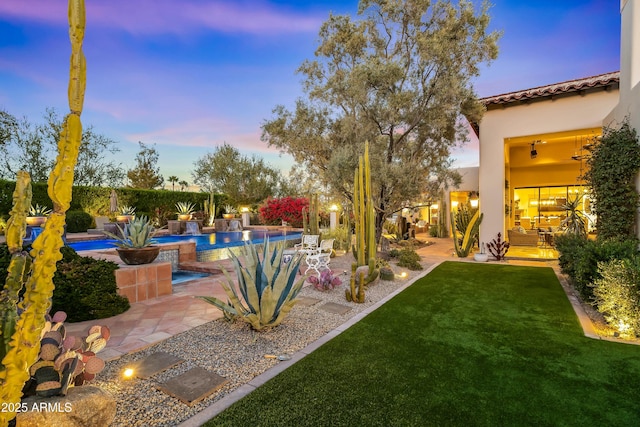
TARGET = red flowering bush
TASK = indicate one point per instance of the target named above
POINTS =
(288, 209)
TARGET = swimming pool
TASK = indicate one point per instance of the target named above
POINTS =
(204, 242)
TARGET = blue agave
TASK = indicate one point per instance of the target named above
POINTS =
(267, 287)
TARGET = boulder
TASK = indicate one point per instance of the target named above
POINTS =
(85, 406)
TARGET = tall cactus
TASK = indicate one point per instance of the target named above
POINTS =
(365, 227)
(470, 232)
(311, 216)
(20, 264)
(25, 342)
(210, 209)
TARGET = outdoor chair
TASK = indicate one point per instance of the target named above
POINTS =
(308, 245)
(320, 259)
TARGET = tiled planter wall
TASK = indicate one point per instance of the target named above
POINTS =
(143, 282)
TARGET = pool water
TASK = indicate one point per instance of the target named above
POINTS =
(204, 242)
(181, 276)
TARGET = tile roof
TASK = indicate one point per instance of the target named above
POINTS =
(601, 80)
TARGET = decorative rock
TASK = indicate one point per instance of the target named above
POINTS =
(85, 406)
(481, 257)
(362, 269)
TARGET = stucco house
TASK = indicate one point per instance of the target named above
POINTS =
(532, 142)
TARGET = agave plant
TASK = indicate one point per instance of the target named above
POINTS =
(230, 209)
(38, 210)
(127, 210)
(267, 286)
(576, 221)
(137, 234)
(185, 208)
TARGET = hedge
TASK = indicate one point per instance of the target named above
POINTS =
(96, 200)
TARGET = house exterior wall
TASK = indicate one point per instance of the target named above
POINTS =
(629, 105)
(567, 113)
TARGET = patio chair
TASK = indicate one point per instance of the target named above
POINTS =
(308, 245)
(320, 259)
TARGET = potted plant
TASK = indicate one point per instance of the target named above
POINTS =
(185, 210)
(136, 246)
(37, 215)
(481, 256)
(230, 212)
(127, 213)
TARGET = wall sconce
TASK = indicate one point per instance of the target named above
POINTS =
(534, 152)
(474, 203)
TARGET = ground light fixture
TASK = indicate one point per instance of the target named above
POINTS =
(127, 374)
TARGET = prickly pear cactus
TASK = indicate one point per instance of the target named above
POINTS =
(25, 342)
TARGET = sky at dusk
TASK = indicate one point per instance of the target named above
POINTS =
(189, 75)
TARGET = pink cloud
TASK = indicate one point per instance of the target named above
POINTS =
(207, 133)
(170, 16)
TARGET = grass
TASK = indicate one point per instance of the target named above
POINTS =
(469, 344)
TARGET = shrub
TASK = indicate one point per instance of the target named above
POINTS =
(341, 235)
(78, 221)
(579, 258)
(85, 287)
(410, 259)
(288, 209)
(617, 294)
(611, 173)
(433, 231)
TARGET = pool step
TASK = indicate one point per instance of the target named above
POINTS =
(211, 267)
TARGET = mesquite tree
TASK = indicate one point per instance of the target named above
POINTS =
(398, 76)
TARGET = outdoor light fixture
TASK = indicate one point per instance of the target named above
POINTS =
(534, 153)
(334, 208)
(127, 374)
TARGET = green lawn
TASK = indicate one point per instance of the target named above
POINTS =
(469, 344)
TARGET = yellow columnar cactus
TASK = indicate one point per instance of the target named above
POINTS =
(25, 342)
(20, 263)
(364, 214)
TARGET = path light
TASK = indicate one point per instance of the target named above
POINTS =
(127, 374)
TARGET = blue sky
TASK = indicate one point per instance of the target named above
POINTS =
(188, 75)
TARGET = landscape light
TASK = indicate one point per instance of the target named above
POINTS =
(128, 374)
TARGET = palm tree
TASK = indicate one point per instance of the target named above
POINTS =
(173, 179)
(183, 185)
